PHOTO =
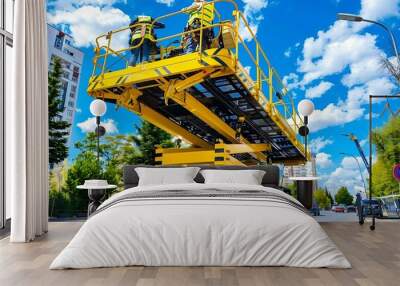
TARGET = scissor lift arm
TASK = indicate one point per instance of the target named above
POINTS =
(202, 104)
(209, 100)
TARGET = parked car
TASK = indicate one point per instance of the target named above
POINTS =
(351, 209)
(339, 208)
(372, 207)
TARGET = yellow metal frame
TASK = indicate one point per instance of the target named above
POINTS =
(220, 154)
(205, 64)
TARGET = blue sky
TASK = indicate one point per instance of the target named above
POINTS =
(334, 63)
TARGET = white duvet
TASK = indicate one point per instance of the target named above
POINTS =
(200, 231)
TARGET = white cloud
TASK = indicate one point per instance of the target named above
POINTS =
(364, 70)
(71, 4)
(169, 3)
(352, 108)
(288, 52)
(89, 125)
(252, 13)
(344, 50)
(291, 81)
(323, 160)
(349, 178)
(89, 19)
(319, 143)
(78, 110)
(343, 45)
(349, 162)
(336, 55)
(319, 90)
(97, 2)
(348, 175)
(376, 10)
(333, 115)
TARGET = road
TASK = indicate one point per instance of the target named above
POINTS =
(329, 216)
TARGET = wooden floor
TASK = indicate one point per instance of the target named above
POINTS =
(375, 257)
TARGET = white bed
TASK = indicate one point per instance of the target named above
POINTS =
(185, 230)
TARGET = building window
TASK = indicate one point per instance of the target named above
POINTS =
(67, 42)
(68, 52)
(75, 74)
(58, 43)
(66, 74)
(73, 88)
(64, 89)
(70, 104)
(65, 64)
(53, 57)
(70, 113)
(72, 95)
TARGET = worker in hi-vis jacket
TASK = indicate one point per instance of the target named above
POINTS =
(142, 28)
(201, 14)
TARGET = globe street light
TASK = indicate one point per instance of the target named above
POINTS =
(357, 18)
(305, 108)
(98, 108)
(359, 168)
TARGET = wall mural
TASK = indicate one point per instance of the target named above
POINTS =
(160, 93)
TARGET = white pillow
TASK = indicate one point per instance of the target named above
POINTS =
(166, 176)
(243, 177)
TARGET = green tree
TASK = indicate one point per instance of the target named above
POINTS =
(119, 150)
(85, 167)
(58, 129)
(343, 196)
(293, 190)
(115, 152)
(386, 140)
(59, 201)
(321, 198)
(329, 195)
(147, 139)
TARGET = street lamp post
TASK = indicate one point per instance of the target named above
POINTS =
(357, 18)
(305, 108)
(98, 108)
(359, 168)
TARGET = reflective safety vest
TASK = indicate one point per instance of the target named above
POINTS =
(143, 31)
(206, 10)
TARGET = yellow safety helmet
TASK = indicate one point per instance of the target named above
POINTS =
(144, 19)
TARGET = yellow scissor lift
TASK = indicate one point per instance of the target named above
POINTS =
(207, 98)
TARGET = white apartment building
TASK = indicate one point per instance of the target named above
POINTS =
(60, 45)
(307, 170)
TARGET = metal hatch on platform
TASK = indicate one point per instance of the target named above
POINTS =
(207, 97)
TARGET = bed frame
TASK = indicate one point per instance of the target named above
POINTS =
(270, 179)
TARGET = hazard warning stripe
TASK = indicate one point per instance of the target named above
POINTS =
(221, 62)
(166, 70)
(158, 72)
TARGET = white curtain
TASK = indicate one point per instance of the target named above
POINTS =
(27, 124)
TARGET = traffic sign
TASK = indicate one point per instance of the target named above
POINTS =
(396, 171)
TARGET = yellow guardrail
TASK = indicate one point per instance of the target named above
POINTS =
(282, 103)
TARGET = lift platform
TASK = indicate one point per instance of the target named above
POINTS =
(207, 98)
